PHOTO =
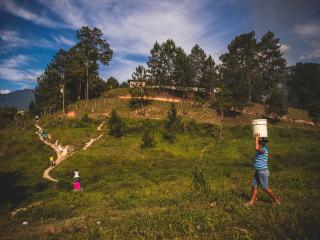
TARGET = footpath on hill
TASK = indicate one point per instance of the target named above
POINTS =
(63, 152)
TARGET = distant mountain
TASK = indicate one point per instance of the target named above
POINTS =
(19, 99)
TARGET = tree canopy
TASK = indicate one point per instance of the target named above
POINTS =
(74, 72)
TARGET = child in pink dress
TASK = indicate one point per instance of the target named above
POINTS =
(76, 185)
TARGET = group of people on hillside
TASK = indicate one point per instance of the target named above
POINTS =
(76, 177)
(260, 178)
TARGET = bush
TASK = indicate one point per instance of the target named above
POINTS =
(147, 135)
(172, 124)
(116, 125)
(192, 127)
(86, 118)
(199, 181)
(200, 129)
(277, 104)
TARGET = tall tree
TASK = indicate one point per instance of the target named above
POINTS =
(94, 49)
(210, 77)
(304, 88)
(76, 69)
(237, 69)
(167, 56)
(183, 73)
(140, 74)
(155, 65)
(47, 93)
(198, 58)
(272, 65)
(112, 83)
(140, 92)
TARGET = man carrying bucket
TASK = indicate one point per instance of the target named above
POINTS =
(261, 175)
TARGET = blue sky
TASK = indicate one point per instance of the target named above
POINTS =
(32, 31)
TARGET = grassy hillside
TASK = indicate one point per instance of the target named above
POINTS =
(134, 193)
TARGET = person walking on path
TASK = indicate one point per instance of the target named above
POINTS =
(43, 135)
(51, 160)
(76, 185)
(76, 174)
(261, 175)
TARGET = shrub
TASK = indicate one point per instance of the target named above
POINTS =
(86, 118)
(192, 127)
(277, 103)
(147, 135)
(199, 181)
(172, 124)
(116, 125)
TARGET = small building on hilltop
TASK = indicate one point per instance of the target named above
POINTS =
(135, 83)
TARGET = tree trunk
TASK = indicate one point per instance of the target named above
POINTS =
(221, 123)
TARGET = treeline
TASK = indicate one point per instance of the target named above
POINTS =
(251, 71)
(74, 72)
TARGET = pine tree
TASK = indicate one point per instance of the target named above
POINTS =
(304, 88)
(237, 69)
(172, 124)
(277, 103)
(155, 65)
(198, 58)
(210, 77)
(72, 69)
(271, 63)
(112, 83)
(116, 125)
(147, 134)
(183, 73)
(140, 91)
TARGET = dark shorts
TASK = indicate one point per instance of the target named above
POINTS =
(261, 178)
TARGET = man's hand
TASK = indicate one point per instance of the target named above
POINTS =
(257, 136)
(258, 146)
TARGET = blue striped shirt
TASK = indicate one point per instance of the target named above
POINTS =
(261, 160)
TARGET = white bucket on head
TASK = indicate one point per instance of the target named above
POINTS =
(260, 126)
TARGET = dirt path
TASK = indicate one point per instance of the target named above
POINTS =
(65, 152)
(25, 208)
(161, 99)
(61, 155)
(92, 140)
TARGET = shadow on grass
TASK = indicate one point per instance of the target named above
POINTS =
(11, 194)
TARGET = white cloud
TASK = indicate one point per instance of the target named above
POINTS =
(13, 39)
(14, 70)
(284, 48)
(4, 91)
(134, 26)
(19, 11)
(121, 68)
(308, 29)
(62, 40)
(312, 55)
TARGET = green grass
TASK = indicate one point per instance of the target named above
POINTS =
(72, 132)
(295, 113)
(148, 194)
